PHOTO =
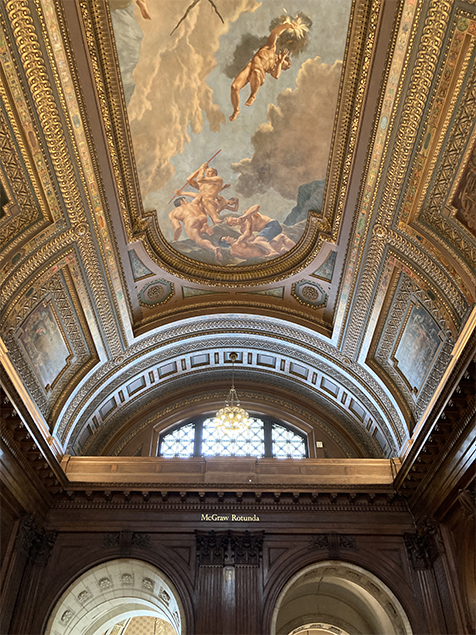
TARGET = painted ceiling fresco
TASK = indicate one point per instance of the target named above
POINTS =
(231, 107)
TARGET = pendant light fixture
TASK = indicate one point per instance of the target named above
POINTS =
(232, 418)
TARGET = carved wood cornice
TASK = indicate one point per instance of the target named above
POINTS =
(277, 498)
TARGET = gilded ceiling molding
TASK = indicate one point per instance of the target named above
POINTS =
(29, 217)
(384, 341)
(397, 63)
(432, 220)
(144, 226)
(423, 72)
(455, 302)
(40, 264)
(142, 402)
(445, 264)
(157, 348)
(37, 261)
(365, 17)
(38, 79)
(103, 55)
(22, 124)
(41, 267)
(57, 286)
(29, 50)
(57, 44)
(316, 233)
(445, 106)
(305, 389)
(265, 309)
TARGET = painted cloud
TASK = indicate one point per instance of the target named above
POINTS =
(171, 96)
(293, 147)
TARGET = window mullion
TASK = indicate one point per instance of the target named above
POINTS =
(198, 438)
(268, 440)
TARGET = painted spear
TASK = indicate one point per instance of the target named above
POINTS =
(185, 185)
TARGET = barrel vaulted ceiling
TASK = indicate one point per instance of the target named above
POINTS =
(112, 330)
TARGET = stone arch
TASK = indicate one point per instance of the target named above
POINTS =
(112, 591)
(338, 597)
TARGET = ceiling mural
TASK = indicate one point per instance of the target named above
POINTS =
(294, 181)
(231, 108)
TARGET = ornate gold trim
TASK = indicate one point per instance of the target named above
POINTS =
(250, 304)
(57, 283)
(109, 253)
(354, 249)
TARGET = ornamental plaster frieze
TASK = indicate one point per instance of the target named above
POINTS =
(297, 338)
(58, 293)
(42, 262)
(341, 404)
(39, 214)
(373, 206)
(29, 217)
(83, 200)
(27, 42)
(448, 232)
(250, 347)
(385, 343)
(208, 326)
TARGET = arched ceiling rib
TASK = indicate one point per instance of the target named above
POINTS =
(279, 355)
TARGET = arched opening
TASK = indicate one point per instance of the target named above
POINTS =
(264, 437)
(113, 592)
(340, 598)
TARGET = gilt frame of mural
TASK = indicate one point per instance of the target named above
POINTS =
(232, 175)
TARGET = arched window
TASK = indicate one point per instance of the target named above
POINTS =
(264, 438)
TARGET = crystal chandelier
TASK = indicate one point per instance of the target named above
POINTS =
(232, 418)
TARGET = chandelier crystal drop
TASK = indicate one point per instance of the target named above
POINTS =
(232, 418)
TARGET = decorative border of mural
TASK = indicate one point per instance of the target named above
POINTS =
(49, 101)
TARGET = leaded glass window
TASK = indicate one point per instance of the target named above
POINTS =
(179, 443)
(249, 442)
(286, 444)
(264, 438)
